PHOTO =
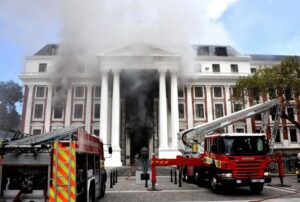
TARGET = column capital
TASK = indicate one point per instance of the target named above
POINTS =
(189, 86)
(30, 86)
(104, 71)
(162, 71)
(116, 71)
(174, 72)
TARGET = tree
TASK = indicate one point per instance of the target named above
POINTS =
(280, 81)
(10, 94)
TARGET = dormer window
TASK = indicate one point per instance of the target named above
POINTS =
(221, 51)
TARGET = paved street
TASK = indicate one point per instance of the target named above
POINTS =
(128, 190)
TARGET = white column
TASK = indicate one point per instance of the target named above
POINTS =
(190, 118)
(88, 112)
(68, 107)
(115, 129)
(115, 121)
(209, 103)
(48, 109)
(104, 108)
(163, 127)
(174, 110)
(228, 106)
(28, 109)
(163, 119)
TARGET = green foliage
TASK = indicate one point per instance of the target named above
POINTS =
(10, 94)
(279, 80)
(282, 79)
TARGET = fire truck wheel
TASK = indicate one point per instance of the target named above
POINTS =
(92, 194)
(256, 188)
(102, 191)
(214, 184)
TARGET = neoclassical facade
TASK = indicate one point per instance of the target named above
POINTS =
(140, 95)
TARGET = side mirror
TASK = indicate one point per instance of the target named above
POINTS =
(110, 150)
(214, 148)
(267, 146)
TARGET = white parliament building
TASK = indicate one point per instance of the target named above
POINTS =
(140, 98)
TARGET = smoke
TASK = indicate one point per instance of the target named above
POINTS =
(97, 26)
(93, 27)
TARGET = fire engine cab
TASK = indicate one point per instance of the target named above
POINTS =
(65, 165)
(234, 159)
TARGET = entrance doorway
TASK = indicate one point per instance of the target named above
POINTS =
(139, 88)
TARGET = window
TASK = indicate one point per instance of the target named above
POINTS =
(40, 92)
(293, 135)
(239, 130)
(97, 91)
(219, 110)
(198, 91)
(42, 67)
(277, 137)
(36, 131)
(180, 91)
(79, 92)
(216, 67)
(96, 111)
(38, 111)
(58, 112)
(234, 68)
(221, 51)
(96, 132)
(218, 92)
(237, 107)
(181, 110)
(78, 111)
(290, 113)
(199, 111)
(253, 70)
(203, 50)
(258, 117)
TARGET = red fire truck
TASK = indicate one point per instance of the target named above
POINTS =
(227, 159)
(65, 165)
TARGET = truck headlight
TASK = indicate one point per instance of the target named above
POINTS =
(266, 173)
(297, 172)
(226, 175)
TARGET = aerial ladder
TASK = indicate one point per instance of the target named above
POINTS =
(189, 141)
(197, 134)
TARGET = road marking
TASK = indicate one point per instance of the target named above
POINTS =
(145, 191)
(289, 190)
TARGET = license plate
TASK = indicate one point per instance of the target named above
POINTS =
(239, 181)
(257, 180)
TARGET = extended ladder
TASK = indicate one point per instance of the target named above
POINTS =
(63, 181)
(43, 138)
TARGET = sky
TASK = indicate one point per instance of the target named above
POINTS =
(251, 26)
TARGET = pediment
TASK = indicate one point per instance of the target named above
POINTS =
(140, 50)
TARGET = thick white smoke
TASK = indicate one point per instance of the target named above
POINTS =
(95, 26)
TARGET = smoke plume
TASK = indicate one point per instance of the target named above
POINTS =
(96, 26)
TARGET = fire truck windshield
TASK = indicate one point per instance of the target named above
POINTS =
(248, 145)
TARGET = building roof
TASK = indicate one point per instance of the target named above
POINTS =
(215, 50)
(49, 49)
(261, 57)
(202, 50)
